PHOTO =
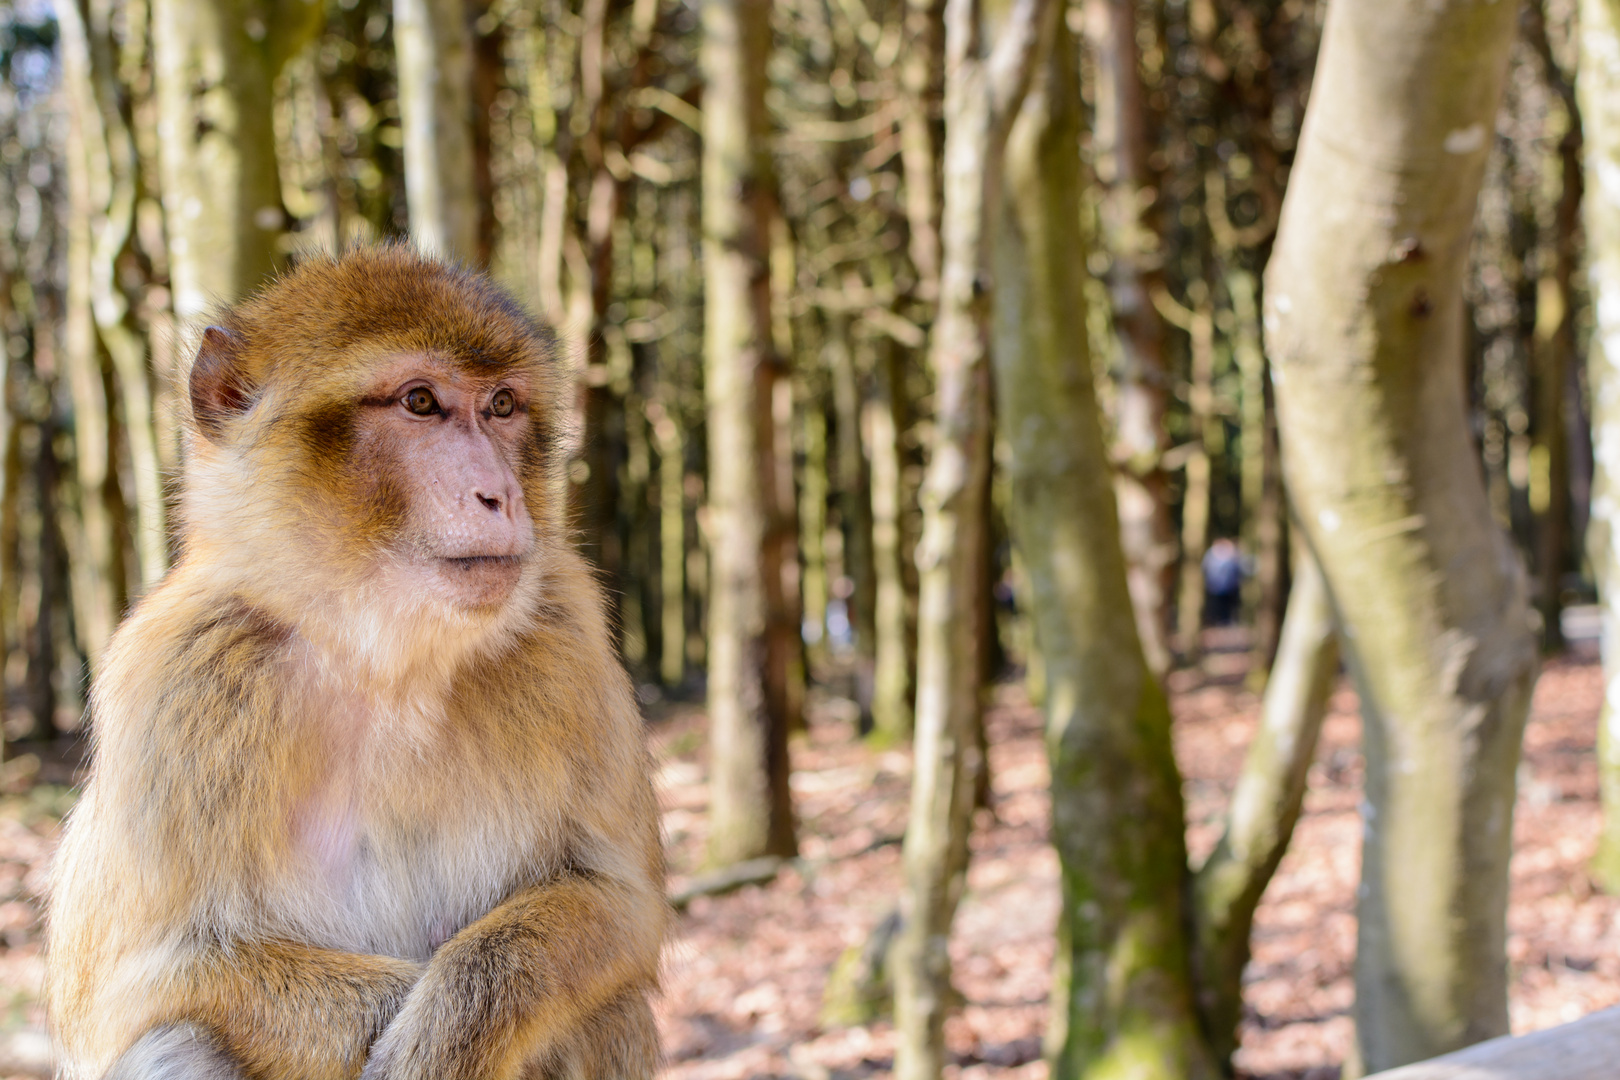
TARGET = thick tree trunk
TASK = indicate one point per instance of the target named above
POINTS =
(216, 62)
(1142, 487)
(1266, 804)
(1122, 1002)
(982, 93)
(435, 118)
(1364, 324)
(1599, 88)
(751, 813)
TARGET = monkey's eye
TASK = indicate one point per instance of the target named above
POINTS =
(503, 402)
(421, 401)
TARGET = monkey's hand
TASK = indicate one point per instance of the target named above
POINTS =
(506, 989)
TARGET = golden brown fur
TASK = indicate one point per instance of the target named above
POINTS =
(343, 817)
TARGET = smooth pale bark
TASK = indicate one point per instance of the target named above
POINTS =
(1143, 391)
(750, 811)
(215, 64)
(983, 89)
(105, 154)
(1364, 323)
(435, 118)
(1599, 88)
(1122, 1002)
(1266, 803)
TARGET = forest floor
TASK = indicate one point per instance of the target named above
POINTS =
(746, 971)
(743, 989)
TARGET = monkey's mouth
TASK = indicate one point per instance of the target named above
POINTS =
(471, 563)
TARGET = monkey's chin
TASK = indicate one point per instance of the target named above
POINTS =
(479, 581)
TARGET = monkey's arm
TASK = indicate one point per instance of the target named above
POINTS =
(282, 1008)
(503, 990)
(274, 1008)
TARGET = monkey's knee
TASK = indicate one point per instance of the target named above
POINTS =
(175, 1052)
(618, 1042)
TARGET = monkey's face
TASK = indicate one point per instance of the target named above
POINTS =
(441, 446)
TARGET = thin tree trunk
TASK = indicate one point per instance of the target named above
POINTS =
(749, 700)
(1122, 1002)
(1554, 354)
(982, 95)
(1142, 486)
(97, 559)
(1266, 803)
(435, 113)
(855, 507)
(106, 154)
(922, 135)
(671, 545)
(1599, 88)
(216, 62)
(894, 642)
(1195, 496)
(1364, 317)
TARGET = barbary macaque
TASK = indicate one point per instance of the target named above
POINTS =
(369, 793)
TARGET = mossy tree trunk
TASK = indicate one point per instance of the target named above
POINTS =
(1599, 88)
(1122, 1002)
(435, 60)
(750, 648)
(1364, 320)
(216, 63)
(983, 90)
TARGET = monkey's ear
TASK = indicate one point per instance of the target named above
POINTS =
(218, 386)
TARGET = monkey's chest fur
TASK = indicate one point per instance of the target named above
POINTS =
(398, 868)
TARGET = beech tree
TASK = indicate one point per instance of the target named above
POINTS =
(1364, 323)
(435, 113)
(215, 64)
(752, 630)
(987, 72)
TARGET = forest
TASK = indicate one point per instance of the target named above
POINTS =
(962, 391)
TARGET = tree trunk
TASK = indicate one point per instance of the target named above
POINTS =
(1266, 803)
(97, 559)
(1554, 352)
(106, 154)
(1142, 487)
(1364, 315)
(922, 135)
(855, 508)
(435, 117)
(1599, 88)
(1196, 495)
(216, 62)
(982, 95)
(894, 632)
(1122, 1002)
(671, 545)
(750, 812)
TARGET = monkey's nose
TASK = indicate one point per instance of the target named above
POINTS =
(492, 502)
